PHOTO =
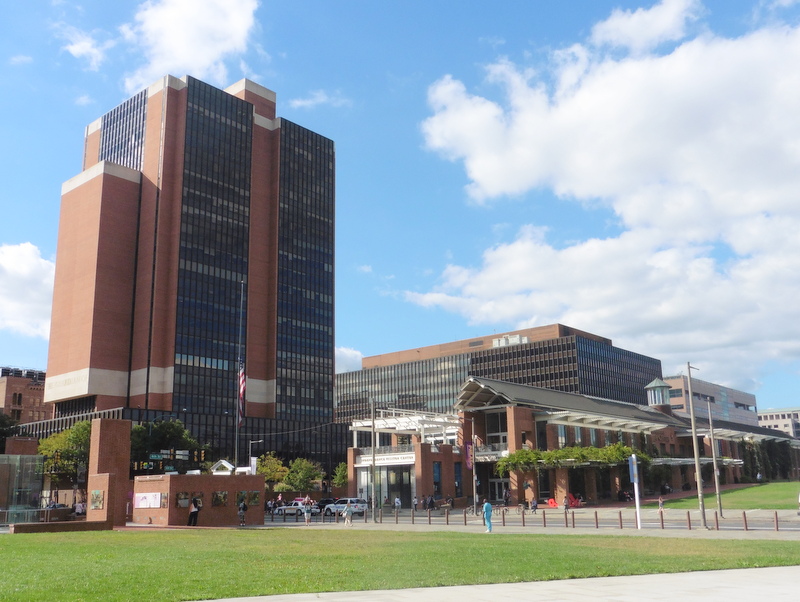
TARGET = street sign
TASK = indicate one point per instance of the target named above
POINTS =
(156, 457)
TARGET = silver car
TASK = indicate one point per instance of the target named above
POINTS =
(359, 506)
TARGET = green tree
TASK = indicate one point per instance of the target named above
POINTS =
(302, 473)
(67, 452)
(340, 475)
(7, 428)
(152, 437)
(271, 467)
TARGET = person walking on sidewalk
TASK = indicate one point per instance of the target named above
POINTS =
(348, 515)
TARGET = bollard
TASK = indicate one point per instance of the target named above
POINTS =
(429, 516)
(447, 516)
(776, 520)
(396, 516)
(544, 519)
(523, 517)
(573, 519)
(566, 519)
(689, 520)
(412, 516)
(596, 522)
(380, 516)
(366, 515)
(503, 512)
(336, 517)
(465, 517)
(716, 520)
(661, 516)
(744, 519)
(620, 519)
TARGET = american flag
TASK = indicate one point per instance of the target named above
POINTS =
(242, 387)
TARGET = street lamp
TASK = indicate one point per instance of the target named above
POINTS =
(698, 477)
(474, 467)
(372, 410)
(714, 459)
(250, 448)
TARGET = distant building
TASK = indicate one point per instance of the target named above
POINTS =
(455, 455)
(22, 395)
(726, 403)
(782, 419)
(557, 357)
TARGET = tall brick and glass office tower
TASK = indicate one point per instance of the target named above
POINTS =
(200, 229)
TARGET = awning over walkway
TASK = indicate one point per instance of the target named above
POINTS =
(427, 425)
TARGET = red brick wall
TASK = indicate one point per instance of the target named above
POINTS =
(109, 467)
(203, 486)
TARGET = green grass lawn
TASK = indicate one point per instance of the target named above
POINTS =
(769, 496)
(207, 564)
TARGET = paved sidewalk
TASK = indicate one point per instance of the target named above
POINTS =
(773, 584)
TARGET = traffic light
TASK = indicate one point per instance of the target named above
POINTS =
(195, 455)
(202, 455)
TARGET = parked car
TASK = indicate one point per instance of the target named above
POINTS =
(295, 507)
(325, 502)
(358, 504)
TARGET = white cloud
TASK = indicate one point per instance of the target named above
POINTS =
(192, 37)
(695, 151)
(20, 59)
(26, 290)
(347, 360)
(85, 46)
(83, 100)
(365, 269)
(320, 97)
(646, 28)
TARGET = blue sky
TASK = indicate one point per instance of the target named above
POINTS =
(627, 168)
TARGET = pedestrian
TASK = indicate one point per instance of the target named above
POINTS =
(487, 515)
(242, 510)
(424, 502)
(397, 503)
(194, 510)
(307, 503)
(506, 497)
(431, 503)
(566, 503)
(348, 515)
(661, 503)
(415, 502)
(534, 506)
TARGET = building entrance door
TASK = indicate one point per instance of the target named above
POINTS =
(496, 488)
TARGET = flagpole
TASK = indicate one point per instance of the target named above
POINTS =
(240, 379)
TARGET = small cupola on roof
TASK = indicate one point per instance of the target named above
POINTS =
(657, 393)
